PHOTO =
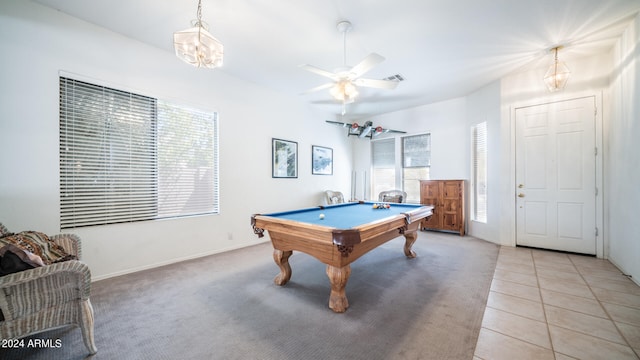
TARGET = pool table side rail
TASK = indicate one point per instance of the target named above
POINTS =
(340, 237)
(261, 222)
(418, 214)
(344, 237)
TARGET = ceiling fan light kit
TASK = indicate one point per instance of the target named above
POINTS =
(558, 74)
(196, 46)
(344, 90)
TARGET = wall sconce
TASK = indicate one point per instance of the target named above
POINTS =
(196, 46)
(558, 73)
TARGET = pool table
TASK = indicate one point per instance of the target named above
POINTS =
(337, 235)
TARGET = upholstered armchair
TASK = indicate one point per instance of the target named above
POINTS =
(50, 296)
(395, 196)
(334, 197)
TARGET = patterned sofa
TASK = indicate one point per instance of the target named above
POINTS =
(49, 296)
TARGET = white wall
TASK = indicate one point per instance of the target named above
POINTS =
(445, 121)
(622, 162)
(450, 121)
(39, 42)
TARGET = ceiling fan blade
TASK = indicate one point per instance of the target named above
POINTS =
(365, 65)
(373, 83)
(317, 70)
(317, 88)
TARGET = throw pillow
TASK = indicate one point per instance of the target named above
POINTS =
(393, 199)
(14, 259)
(38, 244)
(4, 231)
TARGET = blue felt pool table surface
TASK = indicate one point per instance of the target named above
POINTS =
(345, 216)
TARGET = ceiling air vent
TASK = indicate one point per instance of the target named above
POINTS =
(396, 77)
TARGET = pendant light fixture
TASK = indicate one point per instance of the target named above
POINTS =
(558, 73)
(196, 46)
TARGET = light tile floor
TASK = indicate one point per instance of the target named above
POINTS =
(551, 305)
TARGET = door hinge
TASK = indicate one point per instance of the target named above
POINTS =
(595, 152)
(595, 110)
(596, 191)
(596, 231)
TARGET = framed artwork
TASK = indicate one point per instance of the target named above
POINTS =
(284, 156)
(321, 160)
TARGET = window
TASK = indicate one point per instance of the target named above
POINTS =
(415, 164)
(125, 157)
(416, 161)
(479, 172)
(383, 161)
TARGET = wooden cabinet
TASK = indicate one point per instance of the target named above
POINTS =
(447, 199)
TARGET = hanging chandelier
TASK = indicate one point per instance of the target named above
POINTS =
(196, 46)
(558, 73)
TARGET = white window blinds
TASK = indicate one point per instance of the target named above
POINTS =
(383, 161)
(187, 161)
(126, 157)
(416, 163)
(416, 151)
(479, 186)
(383, 153)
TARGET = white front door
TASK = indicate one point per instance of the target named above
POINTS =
(556, 176)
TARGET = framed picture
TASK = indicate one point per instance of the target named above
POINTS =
(321, 160)
(284, 155)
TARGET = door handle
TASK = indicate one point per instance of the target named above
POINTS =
(521, 195)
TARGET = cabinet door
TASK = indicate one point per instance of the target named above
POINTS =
(452, 205)
(430, 195)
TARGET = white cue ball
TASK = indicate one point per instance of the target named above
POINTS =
(321, 216)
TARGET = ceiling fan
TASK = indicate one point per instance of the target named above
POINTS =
(346, 79)
(366, 130)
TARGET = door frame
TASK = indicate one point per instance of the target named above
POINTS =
(511, 192)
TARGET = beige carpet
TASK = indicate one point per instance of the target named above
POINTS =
(226, 307)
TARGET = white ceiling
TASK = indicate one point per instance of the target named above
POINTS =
(443, 49)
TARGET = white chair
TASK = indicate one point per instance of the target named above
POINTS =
(394, 196)
(334, 197)
(50, 296)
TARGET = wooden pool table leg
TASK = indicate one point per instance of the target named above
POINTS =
(282, 260)
(338, 278)
(410, 239)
